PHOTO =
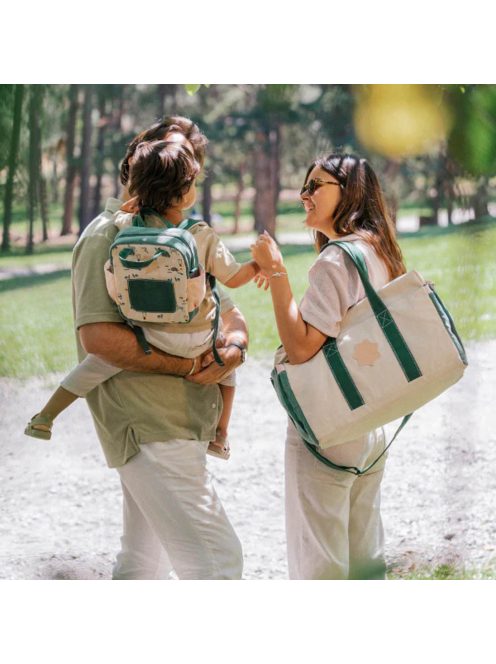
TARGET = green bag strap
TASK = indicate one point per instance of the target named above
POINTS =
(353, 469)
(140, 336)
(382, 314)
(215, 325)
(187, 225)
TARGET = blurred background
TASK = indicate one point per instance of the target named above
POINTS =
(433, 147)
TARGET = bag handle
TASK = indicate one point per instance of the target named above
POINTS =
(137, 265)
(215, 325)
(353, 469)
(382, 314)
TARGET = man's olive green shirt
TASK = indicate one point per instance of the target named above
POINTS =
(133, 408)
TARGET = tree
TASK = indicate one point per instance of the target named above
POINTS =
(103, 122)
(34, 168)
(71, 168)
(12, 164)
(84, 201)
(275, 107)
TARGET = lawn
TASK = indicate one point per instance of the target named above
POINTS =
(36, 334)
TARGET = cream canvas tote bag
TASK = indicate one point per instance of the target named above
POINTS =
(397, 349)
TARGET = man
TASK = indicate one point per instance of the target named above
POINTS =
(156, 417)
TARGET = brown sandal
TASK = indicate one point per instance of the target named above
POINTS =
(219, 447)
(35, 431)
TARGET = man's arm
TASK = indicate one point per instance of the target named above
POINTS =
(117, 344)
(234, 330)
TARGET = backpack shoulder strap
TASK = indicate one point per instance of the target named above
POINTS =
(188, 224)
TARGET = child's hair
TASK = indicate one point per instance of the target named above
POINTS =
(362, 209)
(158, 131)
(161, 172)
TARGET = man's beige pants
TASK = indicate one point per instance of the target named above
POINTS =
(174, 523)
(333, 521)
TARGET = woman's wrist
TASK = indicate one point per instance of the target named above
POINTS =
(276, 268)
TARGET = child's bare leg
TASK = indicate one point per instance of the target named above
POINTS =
(59, 401)
(220, 446)
(227, 392)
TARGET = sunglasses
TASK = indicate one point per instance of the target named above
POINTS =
(314, 184)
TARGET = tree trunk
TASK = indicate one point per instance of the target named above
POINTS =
(481, 199)
(166, 99)
(391, 172)
(238, 200)
(12, 166)
(84, 200)
(117, 132)
(100, 152)
(35, 105)
(207, 199)
(71, 169)
(264, 205)
(43, 193)
(54, 189)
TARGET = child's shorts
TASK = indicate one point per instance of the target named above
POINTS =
(184, 344)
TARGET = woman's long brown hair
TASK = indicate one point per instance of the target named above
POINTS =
(362, 209)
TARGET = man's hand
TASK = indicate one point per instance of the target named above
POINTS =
(213, 372)
(234, 330)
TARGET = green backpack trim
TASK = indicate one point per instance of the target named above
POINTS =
(144, 293)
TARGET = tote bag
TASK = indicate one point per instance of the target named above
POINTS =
(396, 350)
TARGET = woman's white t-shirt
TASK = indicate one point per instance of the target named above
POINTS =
(335, 287)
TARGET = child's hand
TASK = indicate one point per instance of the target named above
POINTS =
(131, 206)
(262, 280)
(266, 253)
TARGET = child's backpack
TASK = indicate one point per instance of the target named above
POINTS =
(154, 276)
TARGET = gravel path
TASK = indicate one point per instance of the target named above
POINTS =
(60, 505)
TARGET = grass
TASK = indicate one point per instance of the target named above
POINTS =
(36, 334)
(36, 325)
(444, 572)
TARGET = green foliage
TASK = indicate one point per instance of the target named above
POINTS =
(473, 137)
(6, 118)
(192, 88)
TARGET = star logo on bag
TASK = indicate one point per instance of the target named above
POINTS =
(366, 353)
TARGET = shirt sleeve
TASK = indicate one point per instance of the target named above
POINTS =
(218, 259)
(92, 303)
(226, 304)
(330, 295)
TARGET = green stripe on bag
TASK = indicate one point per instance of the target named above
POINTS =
(288, 401)
(343, 377)
(383, 315)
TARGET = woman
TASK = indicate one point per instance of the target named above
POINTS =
(333, 522)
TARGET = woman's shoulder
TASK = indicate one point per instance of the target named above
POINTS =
(333, 254)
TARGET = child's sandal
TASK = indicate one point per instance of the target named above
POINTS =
(219, 447)
(35, 431)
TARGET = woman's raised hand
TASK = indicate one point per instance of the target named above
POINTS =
(267, 255)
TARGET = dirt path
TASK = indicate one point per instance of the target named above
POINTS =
(60, 505)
